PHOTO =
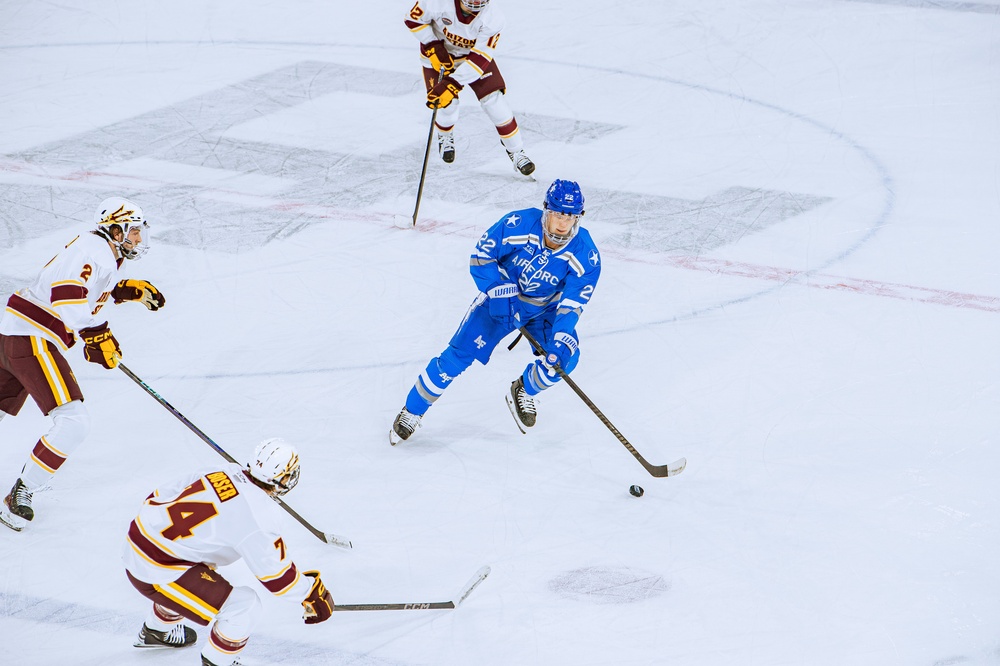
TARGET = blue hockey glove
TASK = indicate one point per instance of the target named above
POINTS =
(561, 349)
(504, 307)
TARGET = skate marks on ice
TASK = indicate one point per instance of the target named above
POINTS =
(57, 614)
(210, 164)
(694, 227)
(608, 585)
(262, 159)
(946, 5)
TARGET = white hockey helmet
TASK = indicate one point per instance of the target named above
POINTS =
(115, 218)
(474, 6)
(275, 463)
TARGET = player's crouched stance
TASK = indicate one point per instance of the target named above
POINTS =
(186, 529)
(534, 268)
(44, 319)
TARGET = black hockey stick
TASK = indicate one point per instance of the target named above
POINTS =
(670, 469)
(466, 590)
(427, 154)
(332, 539)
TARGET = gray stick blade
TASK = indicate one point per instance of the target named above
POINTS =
(339, 541)
(677, 466)
(473, 583)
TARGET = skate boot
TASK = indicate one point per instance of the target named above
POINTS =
(16, 510)
(522, 162)
(403, 426)
(446, 146)
(522, 405)
(179, 636)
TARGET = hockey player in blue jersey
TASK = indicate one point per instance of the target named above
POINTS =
(534, 268)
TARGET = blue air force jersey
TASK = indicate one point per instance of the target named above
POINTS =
(563, 280)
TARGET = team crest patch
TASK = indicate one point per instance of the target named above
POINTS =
(594, 258)
(222, 485)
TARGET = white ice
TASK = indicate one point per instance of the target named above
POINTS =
(797, 204)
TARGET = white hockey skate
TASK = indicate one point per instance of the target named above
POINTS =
(403, 426)
(446, 146)
(16, 511)
(522, 162)
(179, 636)
(521, 405)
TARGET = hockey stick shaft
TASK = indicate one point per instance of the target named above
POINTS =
(466, 590)
(427, 154)
(658, 471)
(328, 538)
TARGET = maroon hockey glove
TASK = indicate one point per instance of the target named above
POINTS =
(101, 346)
(439, 57)
(318, 604)
(138, 290)
(443, 92)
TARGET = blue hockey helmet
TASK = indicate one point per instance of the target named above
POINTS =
(565, 200)
(564, 196)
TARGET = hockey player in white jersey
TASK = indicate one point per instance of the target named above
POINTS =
(44, 320)
(185, 530)
(461, 36)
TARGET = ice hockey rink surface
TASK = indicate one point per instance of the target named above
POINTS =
(797, 208)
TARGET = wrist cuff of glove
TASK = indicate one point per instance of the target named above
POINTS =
(97, 333)
(506, 290)
(568, 340)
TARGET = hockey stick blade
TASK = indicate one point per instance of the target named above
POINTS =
(670, 469)
(473, 583)
(658, 471)
(466, 590)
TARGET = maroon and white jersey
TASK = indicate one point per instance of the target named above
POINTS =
(472, 37)
(214, 517)
(67, 294)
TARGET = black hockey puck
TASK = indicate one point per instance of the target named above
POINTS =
(636, 491)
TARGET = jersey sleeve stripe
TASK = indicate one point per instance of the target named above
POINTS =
(573, 262)
(283, 581)
(521, 240)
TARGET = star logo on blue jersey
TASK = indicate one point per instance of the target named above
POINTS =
(512, 221)
(594, 258)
